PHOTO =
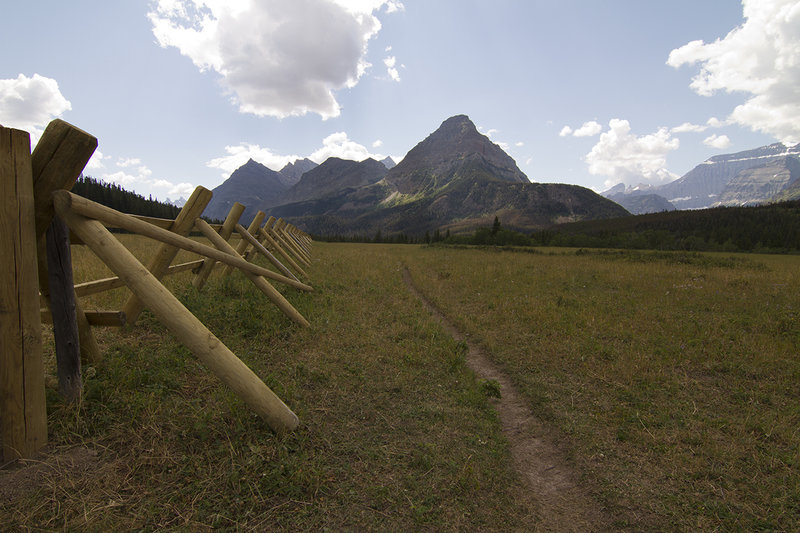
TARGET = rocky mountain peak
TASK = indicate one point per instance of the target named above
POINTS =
(455, 150)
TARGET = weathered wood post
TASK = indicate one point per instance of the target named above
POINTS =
(62, 307)
(179, 320)
(23, 413)
(57, 161)
(159, 264)
(225, 232)
(242, 247)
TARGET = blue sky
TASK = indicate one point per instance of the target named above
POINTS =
(594, 93)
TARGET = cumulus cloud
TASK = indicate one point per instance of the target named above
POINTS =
(276, 58)
(587, 129)
(717, 141)
(130, 174)
(237, 156)
(339, 145)
(31, 103)
(762, 58)
(334, 145)
(622, 157)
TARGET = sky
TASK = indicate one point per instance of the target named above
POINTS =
(180, 93)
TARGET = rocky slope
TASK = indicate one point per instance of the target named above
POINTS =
(455, 178)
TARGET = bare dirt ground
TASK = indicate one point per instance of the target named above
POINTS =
(554, 490)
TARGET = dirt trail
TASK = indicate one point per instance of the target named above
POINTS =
(554, 493)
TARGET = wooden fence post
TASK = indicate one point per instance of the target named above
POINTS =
(90, 209)
(159, 264)
(262, 284)
(181, 322)
(225, 232)
(258, 247)
(62, 307)
(242, 247)
(277, 229)
(23, 412)
(57, 161)
(275, 246)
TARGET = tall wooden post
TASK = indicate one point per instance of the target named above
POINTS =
(23, 413)
(225, 232)
(159, 264)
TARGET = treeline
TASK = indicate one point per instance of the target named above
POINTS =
(115, 197)
(771, 228)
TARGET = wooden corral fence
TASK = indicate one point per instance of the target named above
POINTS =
(38, 219)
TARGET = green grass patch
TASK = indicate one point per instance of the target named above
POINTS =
(672, 374)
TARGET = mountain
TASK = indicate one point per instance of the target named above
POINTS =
(388, 162)
(777, 178)
(457, 179)
(639, 204)
(763, 175)
(456, 149)
(333, 175)
(292, 172)
(252, 185)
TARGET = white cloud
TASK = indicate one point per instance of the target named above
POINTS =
(391, 70)
(96, 162)
(717, 141)
(622, 157)
(31, 103)
(239, 155)
(761, 57)
(565, 131)
(519, 144)
(687, 127)
(339, 145)
(334, 145)
(139, 178)
(128, 161)
(714, 122)
(276, 58)
(588, 129)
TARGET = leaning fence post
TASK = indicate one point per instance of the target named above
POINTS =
(183, 224)
(242, 247)
(225, 232)
(57, 160)
(23, 412)
(180, 321)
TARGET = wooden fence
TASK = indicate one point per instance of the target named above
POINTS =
(38, 220)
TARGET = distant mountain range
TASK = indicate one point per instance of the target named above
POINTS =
(454, 179)
(764, 175)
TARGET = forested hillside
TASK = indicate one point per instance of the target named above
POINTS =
(114, 196)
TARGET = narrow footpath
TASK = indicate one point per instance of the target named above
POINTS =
(554, 491)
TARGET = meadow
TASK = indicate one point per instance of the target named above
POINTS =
(669, 378)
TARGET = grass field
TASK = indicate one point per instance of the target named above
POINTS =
(670, 378)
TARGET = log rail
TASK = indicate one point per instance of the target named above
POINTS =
(40, 218)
